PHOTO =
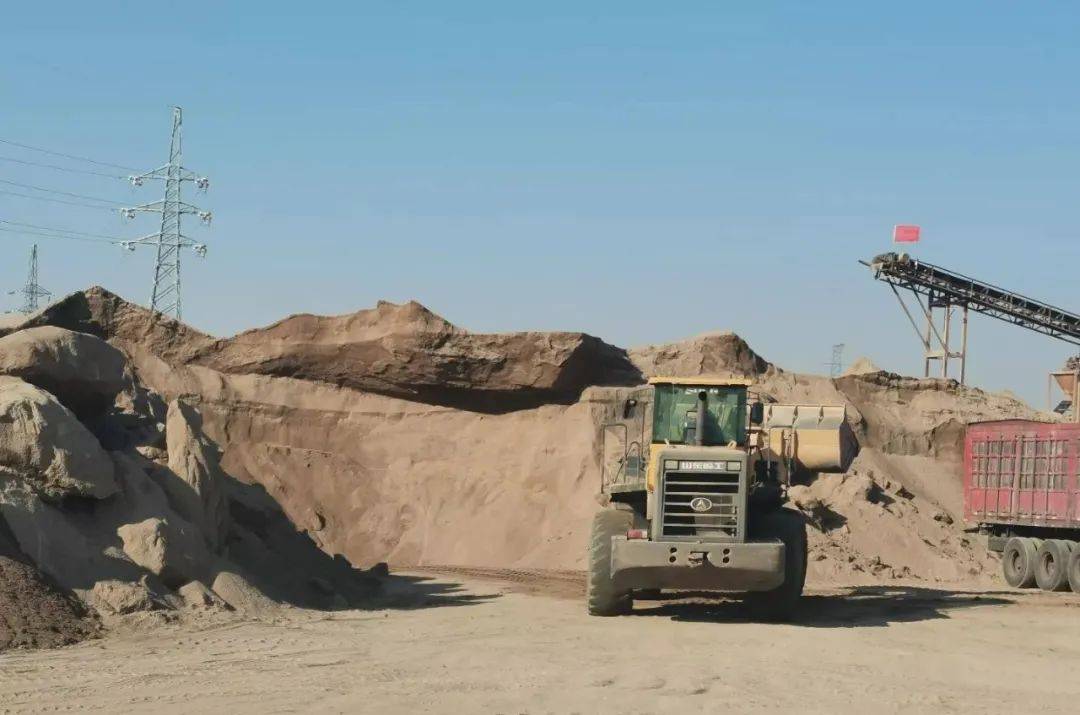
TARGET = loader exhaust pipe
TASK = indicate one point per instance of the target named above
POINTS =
(699, 426)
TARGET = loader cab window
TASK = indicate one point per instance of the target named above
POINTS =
(674, 413)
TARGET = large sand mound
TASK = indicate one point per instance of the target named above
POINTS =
(383, 477)
(399, 350)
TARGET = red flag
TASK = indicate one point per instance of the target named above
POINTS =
(905, 234)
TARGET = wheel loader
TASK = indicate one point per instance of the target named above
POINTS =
(694, 487)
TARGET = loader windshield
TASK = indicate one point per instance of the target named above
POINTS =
(676, 406)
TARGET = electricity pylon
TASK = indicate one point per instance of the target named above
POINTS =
(32, 291)
(165, 298)
(836, 367)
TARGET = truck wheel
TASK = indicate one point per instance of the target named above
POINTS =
(781, 603)
(600, 593)
(1051, 565)
(1074, 570)
(1018, 561)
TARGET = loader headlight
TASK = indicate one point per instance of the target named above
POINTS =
(734, 466)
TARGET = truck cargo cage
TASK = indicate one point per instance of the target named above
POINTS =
(1022, 473)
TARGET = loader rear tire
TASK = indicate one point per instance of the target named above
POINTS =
(781, 603)
(1051, 565)
(600, 593)
(1018, 561)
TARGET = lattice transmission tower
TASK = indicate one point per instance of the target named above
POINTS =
(169, 240)
(32, 292)
(836, 365)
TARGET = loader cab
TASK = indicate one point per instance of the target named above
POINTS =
(699, 412)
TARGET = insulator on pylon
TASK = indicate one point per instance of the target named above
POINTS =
(206, 217)
(127, 245)
(127, 213)
(135, 180)
(202, 183)
(200, 250)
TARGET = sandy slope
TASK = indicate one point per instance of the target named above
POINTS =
(487, 647)
(378, 478)
(490, 480)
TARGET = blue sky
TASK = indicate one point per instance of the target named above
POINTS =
(639, 171)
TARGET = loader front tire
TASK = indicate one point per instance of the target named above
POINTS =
(600, 593)
(781, 603)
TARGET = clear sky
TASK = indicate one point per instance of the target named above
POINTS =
(641, 171)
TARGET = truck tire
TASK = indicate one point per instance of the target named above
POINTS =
(1074, 570)
(781, 603)
(1018, 561)
(600, 593)
(1051, 565)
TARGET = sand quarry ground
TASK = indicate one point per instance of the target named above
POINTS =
(519, 642)
(195, 521)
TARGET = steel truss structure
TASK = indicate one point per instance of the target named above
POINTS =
(32, 292)
(169, 240)
(947, 290)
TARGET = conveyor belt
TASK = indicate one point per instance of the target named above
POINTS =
(944, 287)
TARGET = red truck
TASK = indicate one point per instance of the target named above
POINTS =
(1022, 489)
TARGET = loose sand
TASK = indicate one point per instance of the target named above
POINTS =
(33, 612)
(523, 644)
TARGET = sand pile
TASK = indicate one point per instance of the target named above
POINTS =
(721, 354)
(391, 434)
(398, 350)
(868, 526)
(379, 478)
(861, 366)
(118, 496)
(102, 314)
(924, 416)
(408, 351)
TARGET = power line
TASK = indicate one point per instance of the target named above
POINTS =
(59, 237)
(66, 156)
(55, 201)
(61, 193)
(60, 230)
(56, 167)
(169, 240)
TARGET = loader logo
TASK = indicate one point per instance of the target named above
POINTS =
(701, 504)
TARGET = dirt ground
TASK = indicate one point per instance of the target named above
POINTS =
(467, 640)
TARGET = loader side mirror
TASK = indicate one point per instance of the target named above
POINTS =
(757, 413)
